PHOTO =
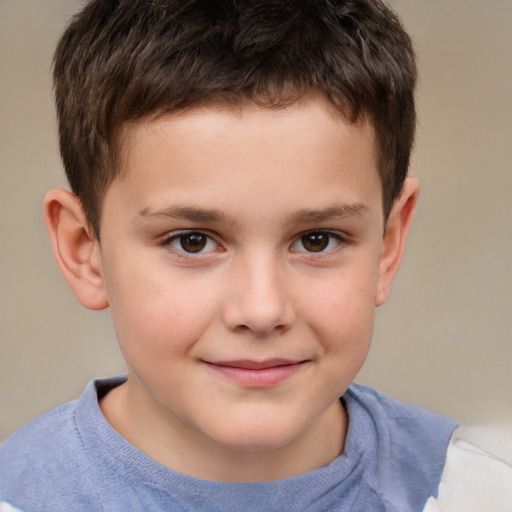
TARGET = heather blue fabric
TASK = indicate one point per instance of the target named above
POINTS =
(71, 459)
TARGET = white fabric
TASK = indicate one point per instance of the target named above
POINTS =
(473, 480)
(5, 507)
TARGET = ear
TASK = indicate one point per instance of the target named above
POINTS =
(75, 247)
(395, 237)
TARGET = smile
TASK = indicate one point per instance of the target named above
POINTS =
(257, 374)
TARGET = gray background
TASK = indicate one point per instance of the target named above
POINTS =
(444, 338)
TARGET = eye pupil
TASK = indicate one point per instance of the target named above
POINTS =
(315, 242)
(193, 242)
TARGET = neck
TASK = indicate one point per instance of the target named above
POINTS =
(176, 445)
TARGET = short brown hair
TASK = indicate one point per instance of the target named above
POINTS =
(125, 60)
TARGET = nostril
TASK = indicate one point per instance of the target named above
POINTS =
(280, 328)
(242, 328)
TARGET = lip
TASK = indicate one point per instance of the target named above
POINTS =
(257, 374)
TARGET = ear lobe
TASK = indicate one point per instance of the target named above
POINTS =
(395, 238)
(75, 247)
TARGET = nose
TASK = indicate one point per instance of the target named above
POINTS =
(258, 300)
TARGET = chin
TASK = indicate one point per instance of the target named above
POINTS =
(258, 436)
(243, 444)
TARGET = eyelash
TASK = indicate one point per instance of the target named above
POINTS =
(339, 240)
(208, 240)
(177, 237)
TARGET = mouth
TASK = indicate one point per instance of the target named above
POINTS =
(257, 374)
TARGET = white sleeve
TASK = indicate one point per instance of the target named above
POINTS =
(473, 479)
(5, 507)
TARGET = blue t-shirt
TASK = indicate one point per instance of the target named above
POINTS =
(71, 459)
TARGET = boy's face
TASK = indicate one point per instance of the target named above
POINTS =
(241, 257)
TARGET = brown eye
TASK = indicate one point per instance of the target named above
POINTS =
(193, 242)
(315, 242)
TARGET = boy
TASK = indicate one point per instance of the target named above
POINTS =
(240, 202)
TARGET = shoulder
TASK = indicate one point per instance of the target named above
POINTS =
(403, 446)
(412, 425)
(37, 439)
(45, 454)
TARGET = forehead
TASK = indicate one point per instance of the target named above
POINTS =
(302, 155)
(300, 118)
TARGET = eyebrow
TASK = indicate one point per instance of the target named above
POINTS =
(333, 212)
(200, 215)
(185, 213)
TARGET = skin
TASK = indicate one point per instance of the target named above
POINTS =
(258, 188)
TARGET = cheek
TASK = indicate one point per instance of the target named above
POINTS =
(159, 317)
(341, 312)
